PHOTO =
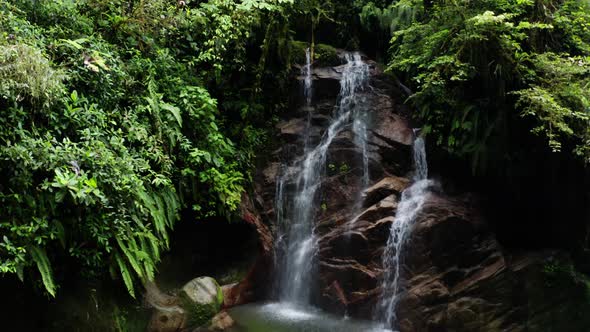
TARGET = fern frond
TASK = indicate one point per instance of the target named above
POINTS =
(154, 245)
(172, 206)
(127, 278)
(44, 266)
(130, 255)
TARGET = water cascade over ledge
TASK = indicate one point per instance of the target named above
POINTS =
(405, 254)
(409, 206)
(296, 213)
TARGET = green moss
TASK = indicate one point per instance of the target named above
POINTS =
(198, 314)
(219, 298)
(298, 51)
(324, 55)
(234, 274)
(201, 314)
(557, 273)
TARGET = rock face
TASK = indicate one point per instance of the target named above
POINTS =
(352, 229)
(457, 276)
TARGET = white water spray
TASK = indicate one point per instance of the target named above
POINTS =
(409, 206)
(298, 239)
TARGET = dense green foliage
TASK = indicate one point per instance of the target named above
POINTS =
(483, 72)
(108, 128)
(119, 115)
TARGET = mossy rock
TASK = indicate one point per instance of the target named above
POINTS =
(201, 298)
(324, 55)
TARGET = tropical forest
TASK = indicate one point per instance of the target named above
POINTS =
(295, 165)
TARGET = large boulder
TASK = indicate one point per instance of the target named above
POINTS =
(202, 299)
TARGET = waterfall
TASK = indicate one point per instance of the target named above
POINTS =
(307, 95)
(306, 72)
(409, 206)
(297, 237)
(356, 103)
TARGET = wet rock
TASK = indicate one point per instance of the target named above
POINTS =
(204, 290)
(292, 129)
(386, 187)
(334, 298)
(460, 279)
(167, 321)
(221, 322)
(383, 208)
(457, 276)
(168, 314)
(229, 298)
(392, 129)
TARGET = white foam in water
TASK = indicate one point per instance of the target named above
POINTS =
(284, 311)
(285, 317)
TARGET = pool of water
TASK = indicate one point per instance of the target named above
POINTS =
(282, 317)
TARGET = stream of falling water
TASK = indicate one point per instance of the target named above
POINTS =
(409, 206)
(306, 71)
(296, 216)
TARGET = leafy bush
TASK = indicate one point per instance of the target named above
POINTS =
(109, 129)
(26, 74)
(476, 67)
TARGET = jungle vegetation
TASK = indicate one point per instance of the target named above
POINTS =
(117, 115)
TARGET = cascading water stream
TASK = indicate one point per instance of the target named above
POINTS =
(298, 238)
(306, 71)
(360, 118)
(307, 81)
(409, 206)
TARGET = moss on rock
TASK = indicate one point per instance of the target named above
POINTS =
(324, 55)
(201, 299)
(298, 51)
(197, 314)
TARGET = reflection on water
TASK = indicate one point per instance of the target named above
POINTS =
(281, 317)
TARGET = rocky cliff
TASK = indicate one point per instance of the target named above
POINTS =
(457, 276)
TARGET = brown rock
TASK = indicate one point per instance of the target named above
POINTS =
(167, 315)
(252, 287)
(456, 275)
(291, 130)
(230, 295)
(391, 185)
(221, 322)
(166, 321)
(392, 128)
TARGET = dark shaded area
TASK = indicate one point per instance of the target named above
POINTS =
(80, 306)
(536, 199)
(217, 248)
